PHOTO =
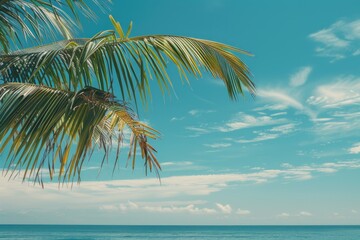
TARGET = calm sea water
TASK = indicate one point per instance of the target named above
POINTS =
(66, 232)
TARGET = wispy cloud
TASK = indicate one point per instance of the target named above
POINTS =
(284, 215)
(300, 214)
(284, 99)
(157, 208)
(337, 102)
(181, 166)
(271, 133)
(243, 120)
(237, 122)
(280, 96)
(278, 114)
(305, 214)
(355, 149)
(197, 112)
(227, 209)
(344, 91)
(198, 130)
(174, 207)
(262, 136)
(338, 41)
(177, 119)
(193, 112)
(176, 163)
(300, 77)
(218, 145)
(242, 212)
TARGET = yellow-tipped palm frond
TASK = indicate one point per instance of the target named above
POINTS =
(46, 127)
(73, 64)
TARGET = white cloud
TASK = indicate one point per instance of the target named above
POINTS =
(172, 208)
(283, 100)
(177, 119)
(300, 214)
(218, 145)
(193, 112)
(338, 103)
(198, 130)
(177, 163)
(226, 209)
(355, 149)
(188, 209)
(280, 96)
(345, 91)
(242, 120)
(345, 126)
(300, 77)
(196, 112)
(181, 166)
(259, 138)
(305, 214)
(284, 215)
(157, 208)
(284, 129)
(278, 114)
(270, 134)
(356, 52)
(242, 212)
(272, 107)
(329, 38)
(339, 40)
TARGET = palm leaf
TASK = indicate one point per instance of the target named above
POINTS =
(41, 125)
(36, 18)
(72, 64)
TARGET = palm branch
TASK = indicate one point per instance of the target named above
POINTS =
(73, 64)
(46, 127)
(36, 18)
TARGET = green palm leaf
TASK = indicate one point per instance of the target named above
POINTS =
(73, 64)
(36, 18)
(47, 127)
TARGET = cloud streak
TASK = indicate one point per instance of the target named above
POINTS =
(269, 134)
(345, 91)
(300, 77)
(355, 149)
(284, 99)
(338, 41)
(157, 208)
(243, 120)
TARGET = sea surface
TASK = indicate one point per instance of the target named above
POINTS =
(80, 232)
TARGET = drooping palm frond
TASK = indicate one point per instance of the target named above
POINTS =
(36, 18)
(46, 127)
(73, 64)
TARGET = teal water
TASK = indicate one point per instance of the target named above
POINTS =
(81, 232)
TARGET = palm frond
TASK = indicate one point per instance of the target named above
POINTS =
(36, 18)
(72, 64)
(46, 127)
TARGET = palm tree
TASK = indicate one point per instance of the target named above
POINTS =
(57, 100)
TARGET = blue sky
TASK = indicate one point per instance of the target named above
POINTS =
(288, 156)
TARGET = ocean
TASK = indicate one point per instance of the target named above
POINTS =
(91, 232)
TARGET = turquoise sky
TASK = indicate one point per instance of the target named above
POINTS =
(288, 156)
